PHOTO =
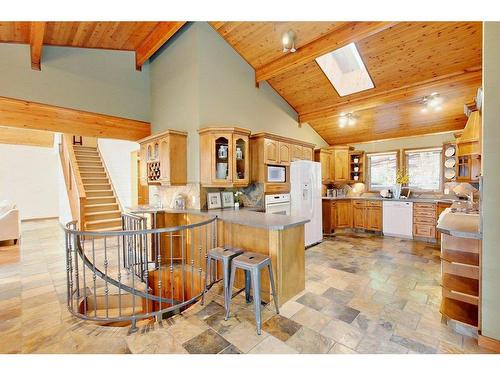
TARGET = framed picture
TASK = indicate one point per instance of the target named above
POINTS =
(227, 199)
(213, 200)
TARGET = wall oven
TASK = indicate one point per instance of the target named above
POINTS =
(278, 204)
(276, 174)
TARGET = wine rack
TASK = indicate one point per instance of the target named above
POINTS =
(154, 171)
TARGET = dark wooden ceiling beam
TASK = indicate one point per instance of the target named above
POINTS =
(157, 38)
(394, 96)
(37, 33)
(352, 32)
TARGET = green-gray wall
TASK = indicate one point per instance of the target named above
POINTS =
(101, 81)
(198, 80)
(490, 299)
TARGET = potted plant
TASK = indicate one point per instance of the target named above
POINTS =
(238, 199)
(402, 178)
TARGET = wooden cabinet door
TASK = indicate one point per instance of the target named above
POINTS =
(374, 218)
(285, 153)
(297, 152)
(341, 166)
(327, 216)
(358, 217)
(325, 160)
(307, 153)
(424, 230)
(343, 214)
(224, 159)
(241, 160)
(271, 152)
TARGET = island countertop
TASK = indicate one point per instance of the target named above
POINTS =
(459, 224)
(244, 216)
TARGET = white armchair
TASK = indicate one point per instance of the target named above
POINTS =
(9, 222)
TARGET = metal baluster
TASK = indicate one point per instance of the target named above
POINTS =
(124, 227)
(171, 269)
(119, 277)
(147, 264)
(182, 263)
(68, 258)
(94, 276)
(158, 259)
(192, 262)
(84, 280)
(77, 276)
(133, 297)
(106, 290)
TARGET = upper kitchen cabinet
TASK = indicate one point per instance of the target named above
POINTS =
(335, 164)
(164, 158)
(469, 149)
(224, 157)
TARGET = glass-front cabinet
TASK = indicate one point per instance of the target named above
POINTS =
(224, 157)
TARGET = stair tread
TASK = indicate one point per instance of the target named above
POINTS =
(103, 221)
(101, 212)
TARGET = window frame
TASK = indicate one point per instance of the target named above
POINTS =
(396, 153)
(406, 151)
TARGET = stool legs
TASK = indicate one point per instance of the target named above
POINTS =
(248, 282)
(256, 299)
(226, 272)
(207, 270)
(271, 278)
(231, 283)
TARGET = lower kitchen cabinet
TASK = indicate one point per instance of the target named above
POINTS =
(357, 214)
(424, 221)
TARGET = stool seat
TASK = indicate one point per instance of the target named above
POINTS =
(251, 260)
(221, 253)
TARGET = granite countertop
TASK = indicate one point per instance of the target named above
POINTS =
(459, 224)
(379, 198)
(245, 216)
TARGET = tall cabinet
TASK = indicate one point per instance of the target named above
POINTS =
(224, 157)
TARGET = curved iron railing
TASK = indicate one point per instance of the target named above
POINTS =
(136, 273)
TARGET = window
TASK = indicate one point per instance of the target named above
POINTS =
(382, 170)
(424, 169)
(345, 70)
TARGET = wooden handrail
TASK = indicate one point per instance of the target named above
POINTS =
(73, 180)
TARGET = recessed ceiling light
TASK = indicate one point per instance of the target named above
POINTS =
(345, 70)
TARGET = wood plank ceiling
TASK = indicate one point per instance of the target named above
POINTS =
(142, 37)
(406, 61)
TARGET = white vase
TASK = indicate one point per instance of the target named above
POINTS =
(397, 191)
(236, 205)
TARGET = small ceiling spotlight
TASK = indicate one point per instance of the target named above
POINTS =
(348, 119)
(431, 102)
(288, 41)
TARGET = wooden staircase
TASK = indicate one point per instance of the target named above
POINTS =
(101, 210)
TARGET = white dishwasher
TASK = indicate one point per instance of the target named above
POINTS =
(398, 219)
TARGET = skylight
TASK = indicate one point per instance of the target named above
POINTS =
(345, 70)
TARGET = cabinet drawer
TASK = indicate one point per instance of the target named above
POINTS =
(360, 204)
(424, 230)
(461, 244)
(426, 213)
(424, 220)
(425, 206)
(375, 203)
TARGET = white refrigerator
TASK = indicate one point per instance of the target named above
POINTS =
(305, 195)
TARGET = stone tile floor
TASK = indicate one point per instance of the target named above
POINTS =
(364, 294)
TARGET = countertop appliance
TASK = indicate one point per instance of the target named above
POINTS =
(278, 204)
(397, 219)
(276, 174)
(305, 191)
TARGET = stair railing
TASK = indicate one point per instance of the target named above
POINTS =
(72, 179)
(136, 273)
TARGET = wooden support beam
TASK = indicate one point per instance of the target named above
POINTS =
(27, 137)
(37, 32)
(158, 37)
(351, 33)
(29, 115)
(394, 96)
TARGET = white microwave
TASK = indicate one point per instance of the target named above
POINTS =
(276, 174)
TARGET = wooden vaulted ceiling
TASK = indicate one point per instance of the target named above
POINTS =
(406, 61)
(145, 38)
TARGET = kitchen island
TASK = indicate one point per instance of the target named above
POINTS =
(277, 236)
(460, 263)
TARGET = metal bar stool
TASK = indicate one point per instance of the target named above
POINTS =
(225, 255)
(253, 263)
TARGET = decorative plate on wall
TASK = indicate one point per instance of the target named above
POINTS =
(450, 151)
(449, 163)
(449, 173)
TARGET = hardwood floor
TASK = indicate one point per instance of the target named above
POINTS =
(364, 294)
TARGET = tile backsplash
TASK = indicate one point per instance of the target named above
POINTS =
(167, 194)
(253, 195)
